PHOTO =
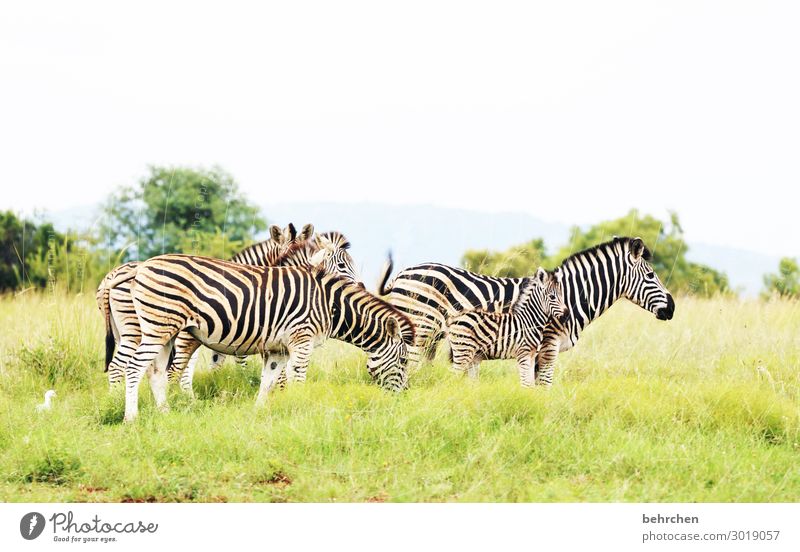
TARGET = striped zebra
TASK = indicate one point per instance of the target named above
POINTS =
(116, 305)
(593, 280)
(241, 309)
(479, 335)
(327, 252)
(338, 261)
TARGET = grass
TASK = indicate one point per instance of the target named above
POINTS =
(703, 408)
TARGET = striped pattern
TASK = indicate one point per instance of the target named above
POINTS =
(592, 279)
(284, 248)
(240, 309)
(479, 335)
(121, 322)
(326, 252)
(116, 305)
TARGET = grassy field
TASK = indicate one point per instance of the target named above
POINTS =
(703, 408)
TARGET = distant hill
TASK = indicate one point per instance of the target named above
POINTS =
(418, 233)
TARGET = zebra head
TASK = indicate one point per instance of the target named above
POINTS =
(284, 238)
(332, 256)
(388, 363)
(642, 285)
(551, 293)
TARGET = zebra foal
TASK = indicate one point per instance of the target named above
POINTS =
(479, 335)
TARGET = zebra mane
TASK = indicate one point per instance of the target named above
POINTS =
(337, 238)
(605, 246)
(293, 249)
(524, 295)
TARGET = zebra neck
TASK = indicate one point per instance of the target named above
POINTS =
(591, 289)
(352, 319)
(531, 313)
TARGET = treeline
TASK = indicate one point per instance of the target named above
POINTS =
(183, 210)
(203, 212)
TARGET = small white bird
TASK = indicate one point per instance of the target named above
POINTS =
(48, 397)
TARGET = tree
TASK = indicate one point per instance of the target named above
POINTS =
(173, 208)
(519, 261)
(17, 238)
(786, 283)
(37, 255)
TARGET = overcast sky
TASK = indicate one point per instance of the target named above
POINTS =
(571, 111)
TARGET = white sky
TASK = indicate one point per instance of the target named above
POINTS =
(571, 111)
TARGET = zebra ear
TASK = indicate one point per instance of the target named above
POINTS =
(275, 232)
(306, 232)
(541, 276)
(558, 275)
(393, 328)
(638, 249)
(289, 233)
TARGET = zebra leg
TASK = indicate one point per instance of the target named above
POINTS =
(545, 361)
(122, 355)
(273, 367)
(187, 374)
(525, 367)
(149, 348)
(461, 358)
(158, 380)
(125, 325)
(299, 357)
(280, 383)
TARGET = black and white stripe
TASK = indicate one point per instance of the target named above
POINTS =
(477, 335)
(241, 309)
(592, 279)
(116, 305)
(285, 247)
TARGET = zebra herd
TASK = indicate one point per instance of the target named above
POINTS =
(282, 297)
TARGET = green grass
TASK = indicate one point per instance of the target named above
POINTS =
(703, 408)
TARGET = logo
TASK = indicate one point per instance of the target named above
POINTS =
(31, 525)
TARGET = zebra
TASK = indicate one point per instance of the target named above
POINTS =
(243, 309)
(116, 306)
(338, 262)
(479, 335)
(328, 251)
(593, 280)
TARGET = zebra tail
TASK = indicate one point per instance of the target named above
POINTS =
(110, 341)
(388, 266)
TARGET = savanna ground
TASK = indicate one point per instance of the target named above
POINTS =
(703, 408)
